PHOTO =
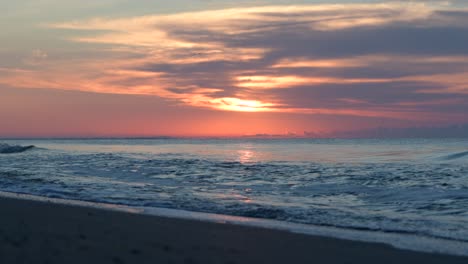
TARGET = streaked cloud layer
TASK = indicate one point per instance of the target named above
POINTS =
(400, 61)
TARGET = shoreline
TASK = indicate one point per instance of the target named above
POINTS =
(61, 231)
(402, 241)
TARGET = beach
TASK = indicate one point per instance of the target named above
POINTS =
(46, 232)
(234, 132)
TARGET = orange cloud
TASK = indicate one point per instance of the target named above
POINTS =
(269, 82)
(217, 59)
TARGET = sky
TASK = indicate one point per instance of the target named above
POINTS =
(232, 68)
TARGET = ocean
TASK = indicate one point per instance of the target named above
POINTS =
(398, 186)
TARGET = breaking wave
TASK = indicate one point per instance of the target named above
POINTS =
(9, 149)
(456, 155)
(417, 187)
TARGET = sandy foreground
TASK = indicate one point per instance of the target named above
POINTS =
(41, 232)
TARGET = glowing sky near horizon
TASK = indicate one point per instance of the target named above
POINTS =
(216, 68)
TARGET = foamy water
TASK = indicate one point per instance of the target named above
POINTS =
(417, 187)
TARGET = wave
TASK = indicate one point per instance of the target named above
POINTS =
(456, 155)
(9, 149)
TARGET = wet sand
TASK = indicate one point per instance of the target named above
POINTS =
(41, 232)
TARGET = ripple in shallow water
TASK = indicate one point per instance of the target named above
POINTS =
(423, 195)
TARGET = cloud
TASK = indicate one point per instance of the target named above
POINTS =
(452, 131)
(36, 57)
(391, 60)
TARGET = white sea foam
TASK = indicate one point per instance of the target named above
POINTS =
(392, 187)
(402, 241)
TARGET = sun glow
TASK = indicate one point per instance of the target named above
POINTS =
(240, 105)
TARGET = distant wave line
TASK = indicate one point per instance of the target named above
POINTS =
(456, 155)
(10, 149)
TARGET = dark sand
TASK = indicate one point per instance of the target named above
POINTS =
(41, 232)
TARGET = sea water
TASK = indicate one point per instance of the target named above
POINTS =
(398, 186)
